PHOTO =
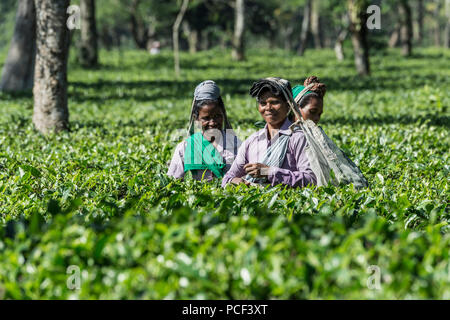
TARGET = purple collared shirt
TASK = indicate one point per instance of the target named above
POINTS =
(295, 170)
(228, 150)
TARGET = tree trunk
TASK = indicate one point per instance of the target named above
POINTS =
(17, 74)
(50, 79)
(437, 26)
(447, 25)
(138, 29)
(358, 30)
(191, 36)
(288, 32)
(339, 47)
(89, 47)
(315, 23)
(394, 38)
(204, 40)
(305, 28)
(239, 28)
(175, 35)
(342, 35)
(106, 38)
(150, 36)
(406, 30)
(420, 16)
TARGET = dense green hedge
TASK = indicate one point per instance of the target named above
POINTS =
(98, 198)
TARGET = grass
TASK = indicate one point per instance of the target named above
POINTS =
(97, 198)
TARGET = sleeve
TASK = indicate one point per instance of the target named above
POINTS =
(176, 168)
(302, 176)
(237, 168)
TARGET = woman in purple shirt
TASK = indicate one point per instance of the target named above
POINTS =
(276, 154)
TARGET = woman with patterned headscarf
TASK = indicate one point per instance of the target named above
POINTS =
(212, 145)
(311, 102)
(276, 154)
(329, 163)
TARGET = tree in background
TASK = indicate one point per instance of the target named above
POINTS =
(358, 29)
(207, 24)
(239, 29)
(142, 32)
(336, 14)
(202, 18)
(88, 55)
(447, 24)
(406, 29)
(342, 35)
(420, 17)
(305, 27)
(51, 113)
(437, 25)
(8, 14)
(176, 31)
(17, 74)
(191, 36)
(315, 23)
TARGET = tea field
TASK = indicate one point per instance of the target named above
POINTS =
(91, 214)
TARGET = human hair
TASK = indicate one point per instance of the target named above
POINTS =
(318, 89)
(200, 103)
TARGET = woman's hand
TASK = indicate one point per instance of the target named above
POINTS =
(239, 181)
(257, 170)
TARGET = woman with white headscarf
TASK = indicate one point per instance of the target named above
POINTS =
(212, 146)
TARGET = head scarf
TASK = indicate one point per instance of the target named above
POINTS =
(207, 90)
(300, 98)
(282, 87)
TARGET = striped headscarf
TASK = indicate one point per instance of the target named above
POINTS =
(283, 89)
(207, 90)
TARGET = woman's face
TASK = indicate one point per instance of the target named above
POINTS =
(273, 109)
(313, 110)
(210, 116)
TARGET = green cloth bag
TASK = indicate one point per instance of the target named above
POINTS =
(200, 155)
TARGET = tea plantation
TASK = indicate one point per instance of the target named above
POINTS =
(96, 202)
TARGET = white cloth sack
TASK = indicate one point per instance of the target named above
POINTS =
(328, 162)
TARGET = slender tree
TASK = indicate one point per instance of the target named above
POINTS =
(358, 29)
(17, 74)
(142, 33)
(137, 27)
(192, 37)
(394, 37)
(89, 48)
(338, 46)
(406, 30)
(51, 113)
(447, 25)
(437, 24)
(342, 35)
(239, 29)
(420, 18)
(315, 23)
(305, 27)
(176, 33)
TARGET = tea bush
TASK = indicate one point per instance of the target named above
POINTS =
(98, 198)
